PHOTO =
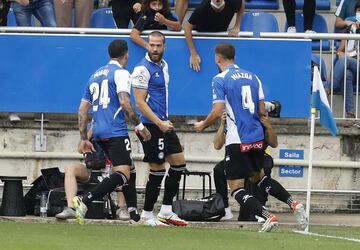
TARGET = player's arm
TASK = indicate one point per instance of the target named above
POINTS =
(140, 80)
(85, 144)
(122, 80)
(270, 133)
(131, 116)
(215, 114)
(218, 105)
(140, 99)
(219, 139)
(261, 103)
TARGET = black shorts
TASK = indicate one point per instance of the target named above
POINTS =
(117, 149)
(242, 165)
(160, 145)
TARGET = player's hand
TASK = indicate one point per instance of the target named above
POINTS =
(86, 146)
(136, 7)
(159, 18)
(195, 61)
(223, 118)
(234, 31)
(264, 119)
(144, 133)
(199, 126)
(166, 126)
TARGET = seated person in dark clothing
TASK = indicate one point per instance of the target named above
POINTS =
(156, 15)
(212, 16)
(124, 11)
(219, 171)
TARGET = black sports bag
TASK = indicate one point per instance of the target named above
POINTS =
(210, 208)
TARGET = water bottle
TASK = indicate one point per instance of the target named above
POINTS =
(43, 205)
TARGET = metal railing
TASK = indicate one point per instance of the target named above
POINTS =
(103, 31)
(332, 53)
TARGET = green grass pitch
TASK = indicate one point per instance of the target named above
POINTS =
(18, 235)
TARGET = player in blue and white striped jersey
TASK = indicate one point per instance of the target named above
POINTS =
(150, 81)
(240, 93)
(108, 93)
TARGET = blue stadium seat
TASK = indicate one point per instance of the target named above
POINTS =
(102, 18)
(250, 4)
(193, 3)
(319, 25)
(259, 22)
(11, 20)
(320, 4)
(171, 3)
(262, 4)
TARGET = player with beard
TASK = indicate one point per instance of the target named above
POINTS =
(150, 81)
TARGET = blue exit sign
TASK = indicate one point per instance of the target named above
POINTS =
(291, 171)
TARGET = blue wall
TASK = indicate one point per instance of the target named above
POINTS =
(47, 73)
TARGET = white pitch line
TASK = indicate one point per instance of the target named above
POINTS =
(328, 236)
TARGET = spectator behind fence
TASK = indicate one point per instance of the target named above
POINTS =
(351, 65)
(82, 13)
(308, 11)
(124, 11)
(156, 15)
(212, 16)
(43, 10)
(346, 9)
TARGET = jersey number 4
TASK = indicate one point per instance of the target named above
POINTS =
(247, 101)
(104, 99)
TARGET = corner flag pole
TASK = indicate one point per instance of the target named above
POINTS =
(311, 149)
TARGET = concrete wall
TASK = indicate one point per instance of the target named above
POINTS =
(62, 138)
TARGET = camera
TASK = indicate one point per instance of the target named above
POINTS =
(273, 108)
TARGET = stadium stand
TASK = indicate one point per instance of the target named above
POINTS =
(102, 18)
(259, 22)
(262, 4)
(320, 4)
(319, 26)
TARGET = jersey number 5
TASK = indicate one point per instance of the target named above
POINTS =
(247, 101)
(104, 99)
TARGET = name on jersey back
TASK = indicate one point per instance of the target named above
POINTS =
(239, 75)
(101, 72)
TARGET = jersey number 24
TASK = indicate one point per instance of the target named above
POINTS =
(102, 92)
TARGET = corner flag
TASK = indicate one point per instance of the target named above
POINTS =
(320, 102)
